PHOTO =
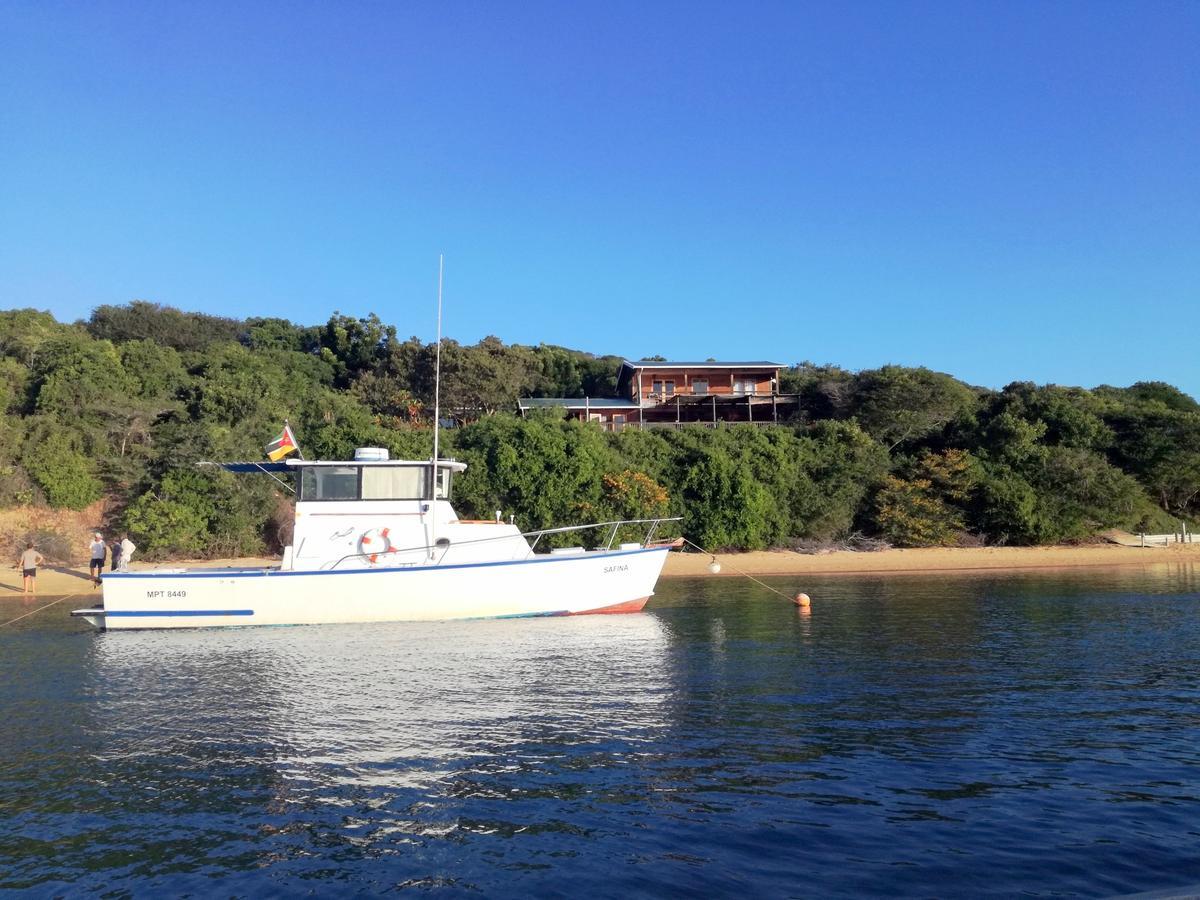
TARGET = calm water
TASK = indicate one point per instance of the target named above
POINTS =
(911, 736)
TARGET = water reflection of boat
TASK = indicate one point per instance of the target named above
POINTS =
(397, 703)
(376, 540)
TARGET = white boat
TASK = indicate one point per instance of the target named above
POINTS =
(376, 540)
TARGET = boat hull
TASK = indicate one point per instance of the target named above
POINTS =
(549, 585)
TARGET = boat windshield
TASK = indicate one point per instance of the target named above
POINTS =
(329, 483)
(370, 483)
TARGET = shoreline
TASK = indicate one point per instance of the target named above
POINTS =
(927, 560)
(58, 581)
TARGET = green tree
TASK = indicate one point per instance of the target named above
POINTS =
(927, 507)
(171, 519)
(24, 331)
(1155, 394)
(155, 372)
(388, 396)
(909, 514)
(280, 334)
(724, 506)
(898, 405)
(164, 325)
(1009, 508)
(826, 392)
(841, 463)
(193, 512)
(545, 472)
(1070, 417)
(491, 376)
(1065, 493)
(352, 346)
(1160, 445)
(65, 475)
(74, 377)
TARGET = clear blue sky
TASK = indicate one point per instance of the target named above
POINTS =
(1001, 191)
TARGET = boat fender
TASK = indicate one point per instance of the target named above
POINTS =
(374, 542)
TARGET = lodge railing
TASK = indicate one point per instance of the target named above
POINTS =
(661, 398)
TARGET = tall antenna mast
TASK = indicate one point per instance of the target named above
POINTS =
(437, 419)
(437, 376)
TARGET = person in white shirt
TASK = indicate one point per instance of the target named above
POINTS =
(28, 564)
(96, 566)
(127, 548)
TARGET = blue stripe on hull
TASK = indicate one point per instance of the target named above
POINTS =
(276, 573)
(130, 613)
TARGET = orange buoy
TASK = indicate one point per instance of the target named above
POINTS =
(802, 599)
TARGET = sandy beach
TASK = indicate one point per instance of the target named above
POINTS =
(56, 581)
(928, 560)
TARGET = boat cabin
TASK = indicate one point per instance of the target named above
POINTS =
(375, 511)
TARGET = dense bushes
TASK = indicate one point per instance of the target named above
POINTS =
(64, 475)
(126, 404)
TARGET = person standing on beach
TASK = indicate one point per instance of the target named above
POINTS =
(28, 564)
(96, 566)
(114, 556)
(127, 548)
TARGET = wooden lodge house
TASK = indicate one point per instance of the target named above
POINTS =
(653, 394)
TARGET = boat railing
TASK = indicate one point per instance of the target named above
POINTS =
(612, 535)
(444, 543)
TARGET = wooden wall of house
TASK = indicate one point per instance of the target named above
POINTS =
(720, 381)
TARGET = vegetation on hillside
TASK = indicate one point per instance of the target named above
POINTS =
(123, 405)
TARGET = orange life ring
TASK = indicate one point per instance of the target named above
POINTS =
(374, 542)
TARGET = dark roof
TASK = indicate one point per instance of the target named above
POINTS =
(576, 403)
(712, 364)
(264, 466)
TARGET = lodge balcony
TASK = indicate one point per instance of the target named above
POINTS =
(695, 423)
(658, 399)
(748, 407)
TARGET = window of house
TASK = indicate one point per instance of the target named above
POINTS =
(656, 388)
(668, 388)
(699, 385)
(618, 421)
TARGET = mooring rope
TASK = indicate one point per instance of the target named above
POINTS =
(740, 572)
(38, 610)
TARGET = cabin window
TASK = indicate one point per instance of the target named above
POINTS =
(394, 482)
(329, 483)
(668, 388)
(699, 385)
(376, 483)
(443, 484)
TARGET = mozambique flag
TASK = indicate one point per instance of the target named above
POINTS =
(282, 446)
